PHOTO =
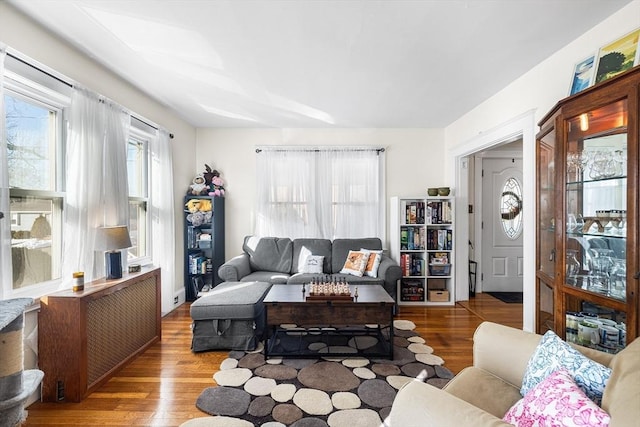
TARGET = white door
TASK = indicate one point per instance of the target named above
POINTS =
(502, 263)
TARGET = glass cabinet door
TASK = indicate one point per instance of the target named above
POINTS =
(595, 229)
(546, 256)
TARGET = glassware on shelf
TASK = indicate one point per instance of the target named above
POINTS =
(572, 264)
(600, 167)
(618, 279)
(579, 224)
(601, 264)
(620, 162)
(576, 163)
(571, 222)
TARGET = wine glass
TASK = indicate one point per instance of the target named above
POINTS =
(571, 222)
(579, 224)
(581, 161)
(572, 165)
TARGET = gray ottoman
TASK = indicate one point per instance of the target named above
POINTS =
(231, 317)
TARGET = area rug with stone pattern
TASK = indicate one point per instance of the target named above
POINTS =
(318, 392)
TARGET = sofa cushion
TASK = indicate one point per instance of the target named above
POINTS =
(418, 404)
(305, 247)
(269, 253)
(557, 401)
(621, 397)
(553, 353)
(266, 276)
(484, 390)
(341, 247)
(231, 300)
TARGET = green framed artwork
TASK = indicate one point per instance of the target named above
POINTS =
(618, 56)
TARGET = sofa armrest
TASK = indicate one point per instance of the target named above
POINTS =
(503, 351)
(235, 269)
(419, 404)
(390, 272)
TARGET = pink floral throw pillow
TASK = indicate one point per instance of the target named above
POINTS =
(556, 402)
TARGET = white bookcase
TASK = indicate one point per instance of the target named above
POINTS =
(422, 243)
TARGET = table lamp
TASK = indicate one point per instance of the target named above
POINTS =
(111, 240)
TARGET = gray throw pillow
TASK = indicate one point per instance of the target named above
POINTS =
(269, 253)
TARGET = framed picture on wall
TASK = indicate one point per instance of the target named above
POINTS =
(618, 56)
(583, 73)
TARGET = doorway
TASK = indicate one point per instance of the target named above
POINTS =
(501, 223)
(463, 160)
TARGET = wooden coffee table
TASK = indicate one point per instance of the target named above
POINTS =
(328, 321)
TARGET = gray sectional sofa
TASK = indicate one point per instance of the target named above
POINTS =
(278, 260)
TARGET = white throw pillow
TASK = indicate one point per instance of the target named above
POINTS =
(312, 264)
(355, 263)
(375, 256)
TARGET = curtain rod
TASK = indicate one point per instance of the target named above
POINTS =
(71, 85)
(317, 150)
(39, 69)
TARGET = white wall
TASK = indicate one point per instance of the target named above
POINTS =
(413, 163)
(544, 85)
(25, 36)
(538, 90)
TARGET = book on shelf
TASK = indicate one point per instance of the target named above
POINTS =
(412, 264)
(198, 263)
(413, 211)
(412, 238)
(412, 290)
(404, 238)
(441, 239)
(439, 212)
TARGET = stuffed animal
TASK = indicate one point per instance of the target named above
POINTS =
(198, 205)
(199, 218)
(209, 174)
(199, 186)
(217, 187)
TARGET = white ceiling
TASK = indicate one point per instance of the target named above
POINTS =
(349, 63)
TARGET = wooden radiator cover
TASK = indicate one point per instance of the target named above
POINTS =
(85, 337)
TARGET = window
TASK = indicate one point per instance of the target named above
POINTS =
(35, 164)
(320, 192)
(138, 178)
(47, 220)
(511, 208)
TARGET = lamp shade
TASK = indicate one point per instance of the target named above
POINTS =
(113, 238)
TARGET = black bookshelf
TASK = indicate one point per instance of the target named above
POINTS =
(203, 255)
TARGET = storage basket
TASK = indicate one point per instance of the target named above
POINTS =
(439, 269)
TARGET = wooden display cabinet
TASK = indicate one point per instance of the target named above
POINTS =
(587, 261)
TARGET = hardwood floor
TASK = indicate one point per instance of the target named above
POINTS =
(160, 387)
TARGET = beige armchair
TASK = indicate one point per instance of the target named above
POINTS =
(481, 394)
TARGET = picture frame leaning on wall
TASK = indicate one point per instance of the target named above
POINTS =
(583, 73)
(618, 56)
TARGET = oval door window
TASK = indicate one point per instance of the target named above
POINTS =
(511, 208)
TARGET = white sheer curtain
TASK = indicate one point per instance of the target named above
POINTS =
(6, 278)
(325, 192)
(96, 180)
(163, 215)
